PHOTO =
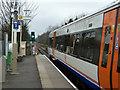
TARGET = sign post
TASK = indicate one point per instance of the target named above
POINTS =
(14, 39)
(20, 20)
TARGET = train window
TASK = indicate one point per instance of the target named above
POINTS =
(82, 45)
(88, 45)
(106, 46)
(72, 43)
(87, 35)
(77, 45)
(92, 35)
(56, 46)
(50, 42)
(118, 67)
(61, 48)
(66, 42)
(60, 43)
(71, 40)
(57, 43)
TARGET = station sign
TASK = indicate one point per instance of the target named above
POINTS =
(15, 25)
(20, 17)
(20, 21)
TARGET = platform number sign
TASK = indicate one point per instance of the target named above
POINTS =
(15, 25)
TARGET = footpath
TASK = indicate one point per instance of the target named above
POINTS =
(28, 76)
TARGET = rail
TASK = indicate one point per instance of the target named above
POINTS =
(43, 51)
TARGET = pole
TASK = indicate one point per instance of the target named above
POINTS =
(6, 50)
(15, 37)
(12, 32)
(20, 36)
(14, 42)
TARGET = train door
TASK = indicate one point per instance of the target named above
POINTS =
(116, 60)
(106, 51)
(53, 44)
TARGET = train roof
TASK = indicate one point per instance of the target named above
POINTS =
(101, 10)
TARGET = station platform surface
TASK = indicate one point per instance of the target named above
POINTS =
(27, 78)
(50, 75)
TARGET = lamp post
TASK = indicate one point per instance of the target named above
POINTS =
(14, 38)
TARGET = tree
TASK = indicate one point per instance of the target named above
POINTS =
(6, 16)
(81, 15)
(76, 18)
(5, 12)
(70, 20)
(44, 38)
(25, 34)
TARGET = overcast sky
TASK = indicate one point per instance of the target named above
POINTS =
(54, 12)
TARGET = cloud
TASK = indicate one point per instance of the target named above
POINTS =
(59, 1)
(54, 12)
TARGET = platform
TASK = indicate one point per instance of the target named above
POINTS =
(50, 75)
(28, 77)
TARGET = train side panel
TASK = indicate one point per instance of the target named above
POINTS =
(116, 61)
(107, 48)
(96, 21)
(104, 71)
(91, 72)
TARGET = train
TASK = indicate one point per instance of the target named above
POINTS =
(90, 47)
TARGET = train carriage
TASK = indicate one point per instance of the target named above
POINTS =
(90, 47)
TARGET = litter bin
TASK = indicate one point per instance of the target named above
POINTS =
(9, 61)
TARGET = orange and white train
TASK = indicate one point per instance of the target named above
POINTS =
(90, 47)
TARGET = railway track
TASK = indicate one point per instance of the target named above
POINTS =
(43, 51)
